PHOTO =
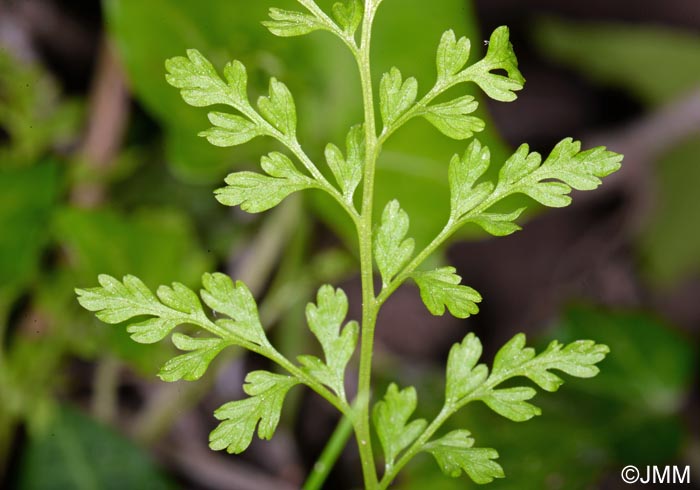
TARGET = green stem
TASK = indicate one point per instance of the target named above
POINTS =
(419, 107)
(450, 407)
(296, 148)
(416, 447)
(328, 22)
(340, 404)
(369, 307)
(293, 145)
(453, 224)
(389, 289)
(414, 111)
(330, 455)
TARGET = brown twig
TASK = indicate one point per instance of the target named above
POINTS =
(642, 143)
(198, 463)
(107, 119)
(108, 116)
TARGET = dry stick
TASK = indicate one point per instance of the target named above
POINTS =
(108, 115)
(105, 386)
(210, 470)
(654, 133)
(643, 142)
(254, 267)
(107, 119)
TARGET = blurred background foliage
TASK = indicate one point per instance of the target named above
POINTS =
(101, 171)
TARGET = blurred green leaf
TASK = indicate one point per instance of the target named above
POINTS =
(670, 243)
(32, 114)
(156, 244)
(159, 245)
(78, 453)
(25, 390)
(622, 55)
(651, 366)
(27, 197)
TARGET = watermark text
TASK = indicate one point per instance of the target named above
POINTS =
(656, 474)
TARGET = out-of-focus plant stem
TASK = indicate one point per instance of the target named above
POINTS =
(105, 385)
(329, 456)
